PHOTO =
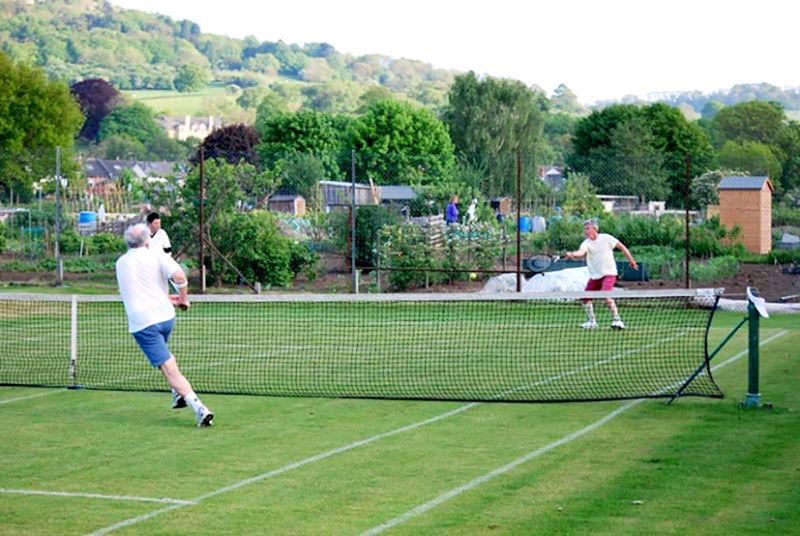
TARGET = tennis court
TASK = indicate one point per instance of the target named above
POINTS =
(95, 461)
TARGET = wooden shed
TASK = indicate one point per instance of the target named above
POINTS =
(747, 201)
(293, 204)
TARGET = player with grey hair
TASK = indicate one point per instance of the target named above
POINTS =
(142, 275)
(598, 248)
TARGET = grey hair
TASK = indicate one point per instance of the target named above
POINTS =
(593, 222)
(137, 235)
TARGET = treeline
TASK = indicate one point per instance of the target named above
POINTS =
(87, 39)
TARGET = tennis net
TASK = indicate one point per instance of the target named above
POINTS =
(488, 347)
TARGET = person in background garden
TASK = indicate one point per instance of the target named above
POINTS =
(451, 213)
(159, 241)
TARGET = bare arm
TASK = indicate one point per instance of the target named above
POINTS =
(631, 261)
(181, 284)
(577, 254)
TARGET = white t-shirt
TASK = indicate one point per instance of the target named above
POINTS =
(160, 242)
(600, 255)
(142, 275)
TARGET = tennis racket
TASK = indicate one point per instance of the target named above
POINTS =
(540, 263)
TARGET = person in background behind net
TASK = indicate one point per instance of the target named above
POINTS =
(158, 237)
(451, 213)
(142, 278)
(599, 251)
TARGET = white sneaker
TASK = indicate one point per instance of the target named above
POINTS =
(617, 324)
(589, 324)
(204, 417)
(177, 401)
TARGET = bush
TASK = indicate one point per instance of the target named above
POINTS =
(105, 243)
(253, 243)
(70, 241)
(785, 217)
(369, 221)
(303, 259)
(407, 246)
(2, 238)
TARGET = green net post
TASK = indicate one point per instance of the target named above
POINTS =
(753, 396)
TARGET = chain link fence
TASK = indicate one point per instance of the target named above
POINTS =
(378, 221)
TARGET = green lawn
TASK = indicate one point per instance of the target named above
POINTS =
(347, 466)
(176, 103)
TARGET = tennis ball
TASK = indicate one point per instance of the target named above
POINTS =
(473, 276)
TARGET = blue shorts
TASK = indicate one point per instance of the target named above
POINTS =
(153, 341)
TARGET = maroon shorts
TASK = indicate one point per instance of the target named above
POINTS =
(604, 283)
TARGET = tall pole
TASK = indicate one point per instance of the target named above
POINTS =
(519, 219)
(59, 260)
(202, 221)
(686, 281)
(353, 270)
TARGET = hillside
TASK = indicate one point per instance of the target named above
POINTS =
(78, 39)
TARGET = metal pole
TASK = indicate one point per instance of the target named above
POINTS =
(202, 221)
(59, 260)
(753, 397)
(353, 270)
(519, 218)
(686, 282)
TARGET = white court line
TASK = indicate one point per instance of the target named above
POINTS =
(531, 455)
(327, 454)
(37, 395)
(94, 496)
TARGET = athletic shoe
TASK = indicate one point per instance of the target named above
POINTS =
(589, 324)
(617, 324)
(177, 401)
(204, 417)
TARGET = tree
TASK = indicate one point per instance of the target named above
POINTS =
(580, 197)
(753, 158)
(676, 139)
(136, 121)
(705, 188)
(564, 100)
(36, 116)
(96, 98)
(757, 121)
(316, 134)
(190, 78)
(401, 144)
(231, 143)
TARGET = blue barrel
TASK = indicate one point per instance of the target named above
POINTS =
(524, 224)
(87, 217)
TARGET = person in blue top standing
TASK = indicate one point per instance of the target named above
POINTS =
(451, 213)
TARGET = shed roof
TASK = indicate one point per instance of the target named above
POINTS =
(397, 193)
(285, 197)
(744, 183)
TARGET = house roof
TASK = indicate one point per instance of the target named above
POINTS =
(397, 193)
(111, 169)
(744, 183)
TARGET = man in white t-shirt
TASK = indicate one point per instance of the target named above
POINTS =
(142, 276)
(598, 248)
(159, 241)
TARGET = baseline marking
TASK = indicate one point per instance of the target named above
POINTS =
(531, 455)
(37, 395)
(94, 496)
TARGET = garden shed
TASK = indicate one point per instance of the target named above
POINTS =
(291, 203)
(747, 201)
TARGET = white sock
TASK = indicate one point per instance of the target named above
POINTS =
(589, 311)
(193, 401)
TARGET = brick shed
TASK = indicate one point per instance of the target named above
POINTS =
(747, 201)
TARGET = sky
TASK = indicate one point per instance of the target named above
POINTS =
(601, 49)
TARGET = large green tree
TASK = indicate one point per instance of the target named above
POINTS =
(757, 121)
(398, 143)
(751, 157)
(683, 146)
(136, 121)
(489, 120)
(36, 116)
(190, 78)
